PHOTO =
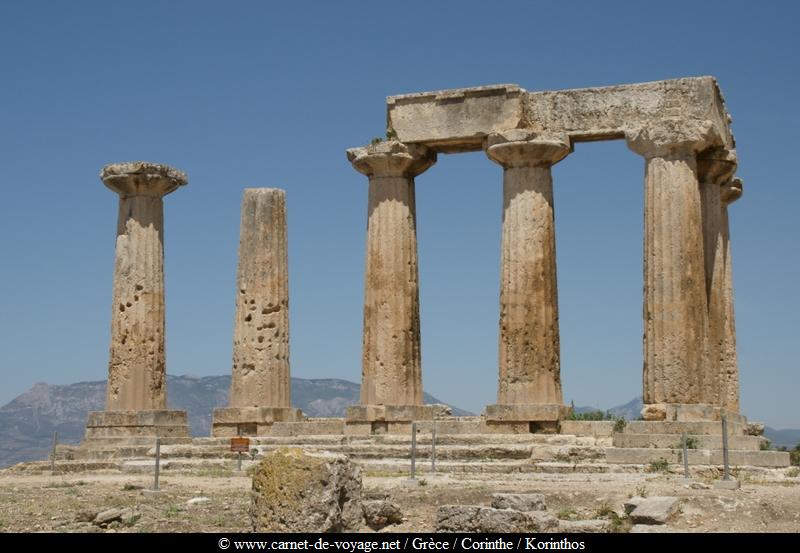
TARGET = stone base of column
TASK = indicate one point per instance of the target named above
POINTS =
(688, 412)
(389, 419)
(540, 417)
(251, 421)
(161, 423)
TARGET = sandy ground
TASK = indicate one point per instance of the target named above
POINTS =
(41, 502)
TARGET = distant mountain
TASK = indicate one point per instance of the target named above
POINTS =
(28, 421)
(789, 437)
(629, 411)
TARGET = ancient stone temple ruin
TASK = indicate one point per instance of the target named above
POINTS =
(679, 127)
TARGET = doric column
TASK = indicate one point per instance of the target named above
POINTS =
(391, 371)
(675, 301)
(714, 168)
(261, 329)
(729, 365)
(260, 393)
(529, 388)
(136, 371)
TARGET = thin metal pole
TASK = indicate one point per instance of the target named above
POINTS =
(726, 475)
(158, 464)
(239, 461)
(413, 450)
(433, 446)
(53, 453)
(685, 456)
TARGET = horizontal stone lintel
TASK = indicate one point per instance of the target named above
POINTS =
(532, 412)
(459, 120)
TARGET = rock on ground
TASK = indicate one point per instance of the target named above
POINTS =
(104, 518)
(381, 513)
(474, 518)
(584, 526)
(519, 501)
(298, 491)
(654, 510)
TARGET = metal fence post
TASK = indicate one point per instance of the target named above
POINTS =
(413, 450)
(685, 456)
(158, 463)
(727, 471)
(433, 446)
(53, 452)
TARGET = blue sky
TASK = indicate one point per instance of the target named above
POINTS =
(250, 94)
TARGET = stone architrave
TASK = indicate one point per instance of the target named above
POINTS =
(714, 168)
(529, 372)
(260, 392)
(136, 400)
(729, 364)
(391, 367)
(675, 300)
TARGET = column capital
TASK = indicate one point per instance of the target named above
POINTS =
(732, 190)
(521, 148)
(716, 166)
(141, 178)
(391, 158)
(673, 137)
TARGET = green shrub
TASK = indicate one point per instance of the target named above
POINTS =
(659, 465)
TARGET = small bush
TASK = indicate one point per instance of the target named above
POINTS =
(793, 472)
(567, 513)
(641, 491)
(659, 465)
(604, 511)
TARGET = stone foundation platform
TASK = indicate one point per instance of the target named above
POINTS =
(389, 419)
(537, 417)
(161, 423)
(251, 421)
(686, 412)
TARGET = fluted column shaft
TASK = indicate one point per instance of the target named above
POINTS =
(260, 376)
(714, 168)
(391, 364)
(529, 367)
(729, 364)
(675, 299)
(137, 366)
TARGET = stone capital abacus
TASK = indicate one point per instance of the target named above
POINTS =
(391, 159)
(732, 190)
(520, 148)
(716, 166)
(140, 178)
(673, 138)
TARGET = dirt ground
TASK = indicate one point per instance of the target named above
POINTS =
(68, 503)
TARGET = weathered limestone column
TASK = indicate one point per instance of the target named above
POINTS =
(675, 300)
(714, 168)
(136, 400)
(260, 391)
(391, 377)
(729, 364)
(529, 388)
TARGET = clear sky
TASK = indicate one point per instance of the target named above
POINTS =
(252, 94)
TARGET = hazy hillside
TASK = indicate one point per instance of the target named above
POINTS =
(27, 422)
